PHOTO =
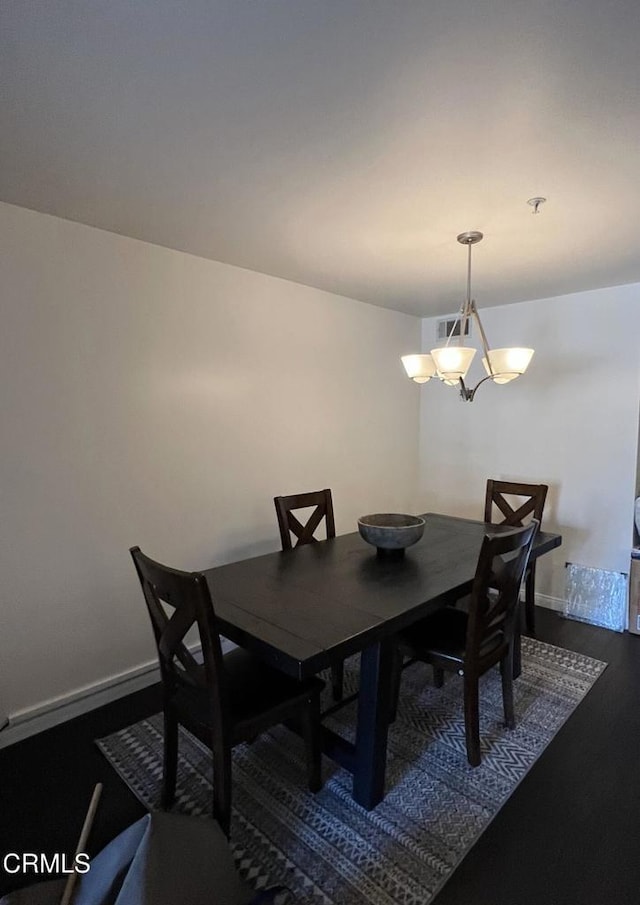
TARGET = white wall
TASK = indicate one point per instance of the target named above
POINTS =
(155, 398)
(571, 422)
(150, 397)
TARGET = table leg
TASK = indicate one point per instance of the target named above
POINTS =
(373, 721)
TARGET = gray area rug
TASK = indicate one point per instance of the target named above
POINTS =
(325, 847)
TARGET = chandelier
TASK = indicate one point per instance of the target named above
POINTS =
(451, 362)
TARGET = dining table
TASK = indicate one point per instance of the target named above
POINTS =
(305, 609)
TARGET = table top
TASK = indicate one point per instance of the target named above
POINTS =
(306, 608)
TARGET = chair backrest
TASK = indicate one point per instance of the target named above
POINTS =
(496, 496)
(289, 524)
(177, 601)
(496, 589)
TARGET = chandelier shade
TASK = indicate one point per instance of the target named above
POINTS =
(451, 362)
(503, 365)
(420, 368)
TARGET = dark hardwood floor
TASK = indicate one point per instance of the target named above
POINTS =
(46, 783)
(569, 835)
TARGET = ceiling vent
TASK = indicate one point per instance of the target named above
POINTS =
(445, 327)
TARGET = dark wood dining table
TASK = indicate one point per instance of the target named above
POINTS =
(305, 609)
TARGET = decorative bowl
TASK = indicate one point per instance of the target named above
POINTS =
(391, 532)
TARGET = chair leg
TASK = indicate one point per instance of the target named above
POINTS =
(472, 719)
(506, 671)
(396, 678)
(530, 599)
(170, 764)
(438, 677)
(337, 681)
(221, 784)
(310, 720)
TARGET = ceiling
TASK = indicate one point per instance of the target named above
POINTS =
(339, 144)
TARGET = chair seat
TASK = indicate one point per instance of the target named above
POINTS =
(444, 636)
(255, 691)
(444, 632)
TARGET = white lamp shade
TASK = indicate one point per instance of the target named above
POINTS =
(419, 367)
(452, 362)
(507, 364)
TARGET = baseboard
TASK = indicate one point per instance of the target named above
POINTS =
(551, 603)
(58, 710)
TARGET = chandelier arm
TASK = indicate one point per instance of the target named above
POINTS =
(468, 394)
(464, 320)
(483, 336)
(465, 393)
(459, 319)
(466, 309)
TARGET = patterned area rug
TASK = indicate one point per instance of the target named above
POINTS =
(325, 847)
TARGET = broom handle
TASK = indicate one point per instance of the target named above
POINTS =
(82, 841)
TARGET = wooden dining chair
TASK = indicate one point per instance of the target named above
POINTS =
(472, 642)
(304, 532)
(528, 502)
(226, 699)
(296, 533)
